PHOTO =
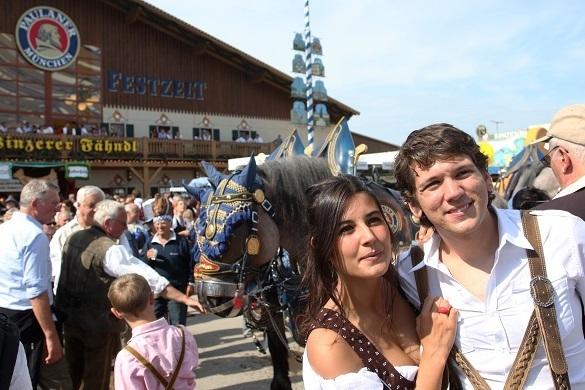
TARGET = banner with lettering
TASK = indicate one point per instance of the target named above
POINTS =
(77, 171)
(5, 171)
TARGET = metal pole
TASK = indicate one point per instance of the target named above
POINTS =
(309, 77)
(497, 123)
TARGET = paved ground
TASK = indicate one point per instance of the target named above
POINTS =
(230, 361)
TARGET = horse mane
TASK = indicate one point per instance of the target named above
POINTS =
(285, 182)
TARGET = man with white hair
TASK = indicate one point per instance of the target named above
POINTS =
(62, 217)
(566, 157)
(136, 235)
(25, 275)
(91, 261)
(87, 198)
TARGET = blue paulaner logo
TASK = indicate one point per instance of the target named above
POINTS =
(47, 38)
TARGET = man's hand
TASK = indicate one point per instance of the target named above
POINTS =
(53, 350)
(42, 312)
(172, 293)
(194, 303)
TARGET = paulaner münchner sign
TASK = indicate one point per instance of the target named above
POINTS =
(47, 38)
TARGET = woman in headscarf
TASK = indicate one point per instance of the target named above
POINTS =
(169, 254)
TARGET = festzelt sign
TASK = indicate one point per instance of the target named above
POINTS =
(143, 85)
(47, 38)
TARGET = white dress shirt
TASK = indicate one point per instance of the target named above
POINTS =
(119, 261)
(56, 248)
(490, 332)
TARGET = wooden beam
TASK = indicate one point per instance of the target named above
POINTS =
(136, 174)
(200, 48)
(259, 76)
(133, 14)
(148, 180)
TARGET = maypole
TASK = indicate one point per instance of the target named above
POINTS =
(309, 77)
(309, 101)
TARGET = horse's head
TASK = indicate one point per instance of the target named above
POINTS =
(230, 243)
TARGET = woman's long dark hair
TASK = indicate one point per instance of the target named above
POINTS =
(327, 203)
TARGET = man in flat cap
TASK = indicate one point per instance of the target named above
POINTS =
(566, 157)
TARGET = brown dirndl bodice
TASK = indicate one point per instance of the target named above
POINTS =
(372, 359)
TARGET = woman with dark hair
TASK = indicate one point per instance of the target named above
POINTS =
(170, 255)
(362, 332)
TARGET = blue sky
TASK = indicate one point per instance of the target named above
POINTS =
(405, 65)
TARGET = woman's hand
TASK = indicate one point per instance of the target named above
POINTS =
(424, 234)
(151, 254)
(436, 326)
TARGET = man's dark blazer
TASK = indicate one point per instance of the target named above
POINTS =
(573, 203)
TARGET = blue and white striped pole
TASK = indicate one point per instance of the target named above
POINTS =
(309, 77)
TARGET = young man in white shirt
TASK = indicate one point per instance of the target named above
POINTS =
(476, 259)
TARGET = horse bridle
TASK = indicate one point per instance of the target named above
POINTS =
(212, 268)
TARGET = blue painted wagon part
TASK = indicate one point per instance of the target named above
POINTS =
(340, 150)
(290, 146)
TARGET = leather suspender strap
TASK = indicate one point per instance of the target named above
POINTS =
(147, 364)
(543, 294)
(420, 275)
(180, 362)
(168, 385)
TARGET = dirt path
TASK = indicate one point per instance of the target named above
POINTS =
(228, 360)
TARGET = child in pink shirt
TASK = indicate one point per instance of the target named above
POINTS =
(158, 355)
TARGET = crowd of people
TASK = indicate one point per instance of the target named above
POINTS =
(56, 285)
(481, 283)
(25, 127)
(157, 132)
(245, 137)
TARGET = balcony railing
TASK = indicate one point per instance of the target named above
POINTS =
(63, 147)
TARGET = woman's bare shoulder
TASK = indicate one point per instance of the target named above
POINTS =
(329, 355)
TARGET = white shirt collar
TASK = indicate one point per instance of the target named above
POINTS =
(171, 238)
(571, 188)
(19, 214)
(509, 231)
